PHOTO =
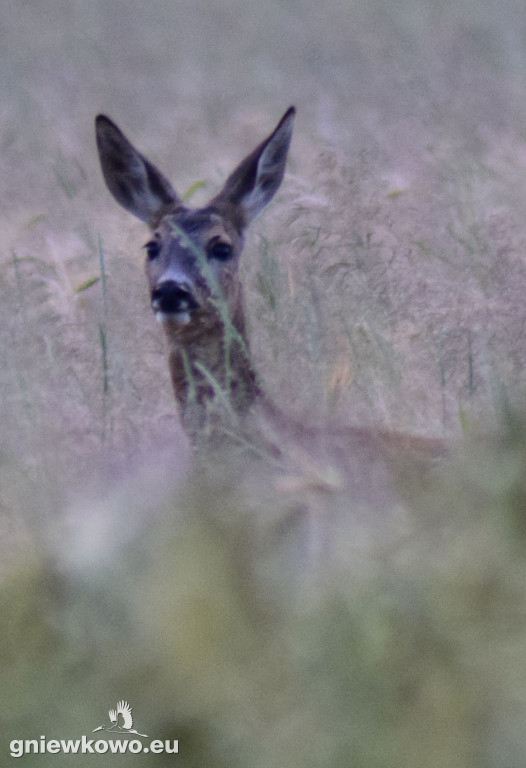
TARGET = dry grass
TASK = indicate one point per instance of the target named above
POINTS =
(385, 285)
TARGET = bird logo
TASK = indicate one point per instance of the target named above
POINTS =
(124, 709)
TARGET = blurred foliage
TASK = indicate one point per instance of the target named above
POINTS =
(212, 617)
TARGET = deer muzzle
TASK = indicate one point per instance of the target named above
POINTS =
(172, 298)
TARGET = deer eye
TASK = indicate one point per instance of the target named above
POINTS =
(220, 251)
(153, 249)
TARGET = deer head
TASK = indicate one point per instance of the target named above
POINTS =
(192, 259)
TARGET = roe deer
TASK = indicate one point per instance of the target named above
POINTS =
(192, 264)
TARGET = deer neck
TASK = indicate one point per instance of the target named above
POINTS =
(213, 379)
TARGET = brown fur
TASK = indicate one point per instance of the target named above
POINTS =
(198, 296)
(212, 374)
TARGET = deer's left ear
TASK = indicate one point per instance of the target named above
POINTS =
(133, 180)
(256, 179)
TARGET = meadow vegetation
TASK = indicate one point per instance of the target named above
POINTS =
(258, 611)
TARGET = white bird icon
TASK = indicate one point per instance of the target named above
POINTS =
(124, 709)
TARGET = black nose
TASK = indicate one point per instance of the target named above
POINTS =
(171, 297)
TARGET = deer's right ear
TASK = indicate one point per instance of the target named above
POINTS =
(255, 181)
(132, 180)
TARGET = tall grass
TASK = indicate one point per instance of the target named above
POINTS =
(268, 613)
(201, 606)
